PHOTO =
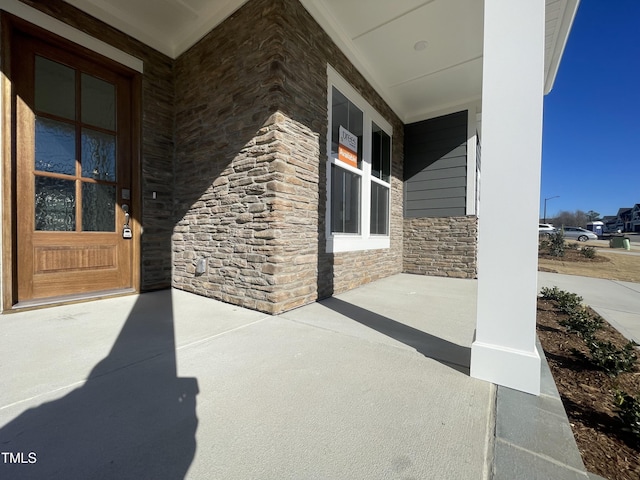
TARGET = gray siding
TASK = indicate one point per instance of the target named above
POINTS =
(435, 163)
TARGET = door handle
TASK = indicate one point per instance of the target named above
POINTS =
(125, 209)
(126, 230)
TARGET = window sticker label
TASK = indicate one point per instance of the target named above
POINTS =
(348, 147)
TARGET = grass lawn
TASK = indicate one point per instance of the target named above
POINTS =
(613, 264)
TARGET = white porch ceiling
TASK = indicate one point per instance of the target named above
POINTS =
(378, 36)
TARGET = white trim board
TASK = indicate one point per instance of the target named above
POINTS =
(57, 27)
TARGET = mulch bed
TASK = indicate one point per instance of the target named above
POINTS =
(571, 255)
(588, 396)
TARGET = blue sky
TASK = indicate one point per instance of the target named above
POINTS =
(590, 154)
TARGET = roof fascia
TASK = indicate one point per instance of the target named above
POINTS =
(566, 22)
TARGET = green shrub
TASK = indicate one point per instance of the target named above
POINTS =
(603, 355)
(543, 242)
(582, 322)
(550, 293)
(588, 252)
(628, 411)
(554, 293)
(571, 246)
(567, 302)
(612, 360)
(570, 303)
(556, 244)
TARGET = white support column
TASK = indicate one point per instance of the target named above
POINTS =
(472, 178)
(504, 349)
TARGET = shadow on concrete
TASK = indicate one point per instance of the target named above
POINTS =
(443, 351)
(132, 418)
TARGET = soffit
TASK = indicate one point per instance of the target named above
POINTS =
(378, 36)
(169, 26)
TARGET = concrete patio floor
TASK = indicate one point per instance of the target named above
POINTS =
(370, 384)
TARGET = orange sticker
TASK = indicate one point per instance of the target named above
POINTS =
(348, 147)
(347, 156)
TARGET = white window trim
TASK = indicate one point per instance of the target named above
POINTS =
(348, 242)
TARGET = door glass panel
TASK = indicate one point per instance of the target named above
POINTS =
(98, 155)
(55, 88)
(55, 146)
(55, 204)
(98, 102)
(98, 207)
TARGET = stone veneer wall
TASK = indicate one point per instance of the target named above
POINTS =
(308, 50)
(441, 246)
(157, 138)
(246, 178)
(251, 130)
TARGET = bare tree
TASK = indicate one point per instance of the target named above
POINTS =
(572, 219)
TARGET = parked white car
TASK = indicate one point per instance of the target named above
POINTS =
(545, 229)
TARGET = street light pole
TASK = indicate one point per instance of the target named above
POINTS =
(544, 220)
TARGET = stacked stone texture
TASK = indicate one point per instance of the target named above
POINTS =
(443, 247)
(254, 226)
(251, 133)
(308, 52)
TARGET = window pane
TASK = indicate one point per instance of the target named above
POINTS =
(98, 207)
(55, 146)
(55, 88)
(345, 201)
(379, 209)
(345, 114)
(380, 154)
(55, 204)
(98, 102)
(98, 155)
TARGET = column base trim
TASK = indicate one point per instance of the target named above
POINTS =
(517, 369)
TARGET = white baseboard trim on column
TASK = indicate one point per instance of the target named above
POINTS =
(517, 369)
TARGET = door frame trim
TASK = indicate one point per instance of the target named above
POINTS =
(64, 30)
(11, 25)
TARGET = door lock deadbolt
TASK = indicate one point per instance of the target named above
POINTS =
(126, 229)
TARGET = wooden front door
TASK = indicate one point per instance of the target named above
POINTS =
(74, 233)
